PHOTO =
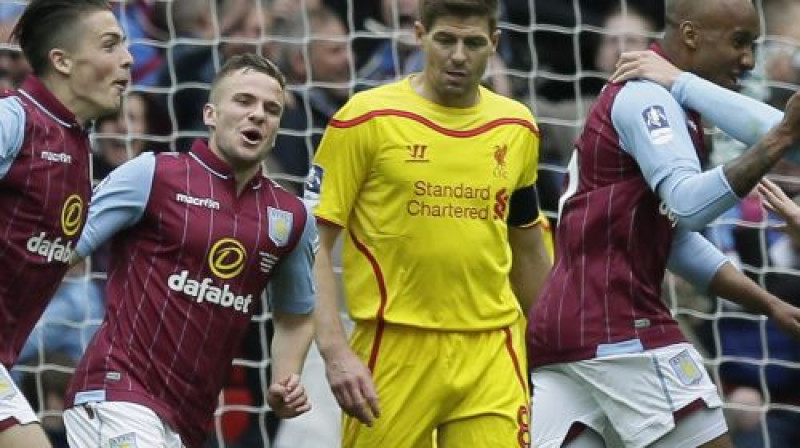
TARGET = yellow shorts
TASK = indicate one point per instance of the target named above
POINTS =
(443, 389)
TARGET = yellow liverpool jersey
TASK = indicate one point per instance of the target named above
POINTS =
(423, 191)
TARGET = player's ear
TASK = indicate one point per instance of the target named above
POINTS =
(495, 40)
(210, 115)
(689, 34)
(61, 61)
(419, 31)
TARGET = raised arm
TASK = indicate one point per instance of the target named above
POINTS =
(743, 118)
(769, 134)
(652, 128)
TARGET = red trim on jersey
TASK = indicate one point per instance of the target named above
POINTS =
(515, 360)
(381, 324)
(442, 130)
(326, 221)
(8, 423)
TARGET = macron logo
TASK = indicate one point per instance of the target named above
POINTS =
(58, 157)
(202, 202)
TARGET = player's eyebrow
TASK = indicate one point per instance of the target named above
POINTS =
(116, 35)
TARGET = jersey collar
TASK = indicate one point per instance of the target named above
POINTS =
(35, 90)
(203, 154)
(659, 50)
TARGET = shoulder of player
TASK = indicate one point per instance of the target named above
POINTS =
(503, 105)
(168, 157)
(365, 103)
(8, 93)
(498, 107)
(644, 90)
(282, 195)
(10, 100)
(636, 96)
(12, 105)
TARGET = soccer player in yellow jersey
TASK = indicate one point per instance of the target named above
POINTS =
(432, 179)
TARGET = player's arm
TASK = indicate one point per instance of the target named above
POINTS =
(350, 380)
(737, 287)
(12, 132)
(743, 118)
(530, 260)
(341, 165)
(693, 258)
(653, 129)
(768, 132)
(118, 202)
(696, 260)
(291, 293)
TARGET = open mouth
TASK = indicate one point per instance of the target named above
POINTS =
(252, 136)
(121, 84)
(455, 76)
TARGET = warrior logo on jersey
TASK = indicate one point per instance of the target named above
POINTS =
(500, 153)
(657, 125)
(226, 258)
(71, 215)
(280, 226)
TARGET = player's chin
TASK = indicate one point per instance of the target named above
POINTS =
(732, 83)
(112, 104)
(106, 109)
(250, 155)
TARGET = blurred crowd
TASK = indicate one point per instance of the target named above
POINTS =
(553, 55)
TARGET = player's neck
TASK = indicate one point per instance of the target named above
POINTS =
(244, 176)
(63, 93)
(426, 89)
(243, 173)
(675, 51)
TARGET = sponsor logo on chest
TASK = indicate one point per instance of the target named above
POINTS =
(58, 249)
(226, 260)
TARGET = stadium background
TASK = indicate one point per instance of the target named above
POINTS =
(553, 56)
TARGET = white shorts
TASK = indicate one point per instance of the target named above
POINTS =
(117, 424)
(628, 398)
(12, 403)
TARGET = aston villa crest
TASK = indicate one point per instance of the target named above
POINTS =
(280, 226)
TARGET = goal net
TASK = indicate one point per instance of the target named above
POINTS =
(553, 55)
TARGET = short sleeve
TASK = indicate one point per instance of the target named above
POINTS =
(341, 164)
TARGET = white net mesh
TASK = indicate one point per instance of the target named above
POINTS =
(550, 57)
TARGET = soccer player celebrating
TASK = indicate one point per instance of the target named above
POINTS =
(197, 237)
(432, 177)
(81, 66)
(610, 365)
